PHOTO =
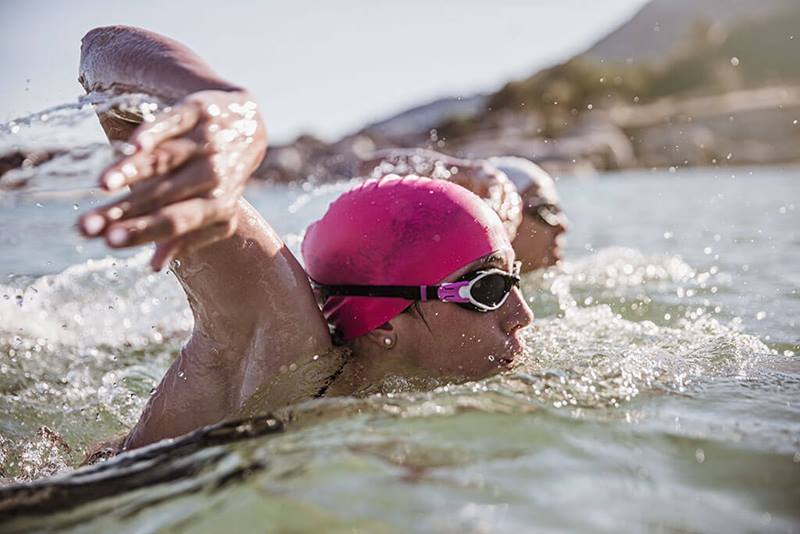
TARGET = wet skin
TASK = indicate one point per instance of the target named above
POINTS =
(441, 339)
(537, 244)
(254, 311)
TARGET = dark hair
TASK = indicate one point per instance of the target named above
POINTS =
(415, 308)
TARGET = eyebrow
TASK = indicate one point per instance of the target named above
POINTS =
(492, 260)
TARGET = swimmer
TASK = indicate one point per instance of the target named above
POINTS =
(539, 237)
(405, 276)
(533, 216)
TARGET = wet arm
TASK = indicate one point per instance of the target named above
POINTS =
(254, 310)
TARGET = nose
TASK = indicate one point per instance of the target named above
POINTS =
(563, 224)
(518, 313)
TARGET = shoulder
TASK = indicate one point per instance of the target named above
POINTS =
(308, 377)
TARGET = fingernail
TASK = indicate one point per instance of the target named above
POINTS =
(115, 213)
(117, 236)
(129, 170)
(93, 224)
(114, 180)
(143, 142)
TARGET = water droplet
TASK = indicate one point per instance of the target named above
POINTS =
(735, 61)
(700, 456)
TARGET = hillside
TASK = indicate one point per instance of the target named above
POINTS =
(682, 83)
(654, 32)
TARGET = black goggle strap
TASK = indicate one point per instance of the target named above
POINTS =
(447, 292)
(400, 292)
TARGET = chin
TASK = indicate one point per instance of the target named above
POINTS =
(553, 257)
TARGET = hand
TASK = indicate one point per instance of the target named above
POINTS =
(187, 172)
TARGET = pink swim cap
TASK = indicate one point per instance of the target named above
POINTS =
(395, 231)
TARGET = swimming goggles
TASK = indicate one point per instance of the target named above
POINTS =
(547, 213)
(483, 290)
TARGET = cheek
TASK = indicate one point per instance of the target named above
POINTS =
(464, 340)
(533, 240)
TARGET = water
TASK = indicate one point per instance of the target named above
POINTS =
(659, 390)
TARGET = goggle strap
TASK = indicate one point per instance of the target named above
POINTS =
(403, 292)
(446, 292)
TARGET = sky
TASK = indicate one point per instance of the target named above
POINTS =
(325, 68)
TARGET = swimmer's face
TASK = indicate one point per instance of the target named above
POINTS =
(454, 342)
(538, 244)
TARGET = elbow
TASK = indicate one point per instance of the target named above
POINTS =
(98, 38)
(92, 46)
(98, 48)
(102, 36)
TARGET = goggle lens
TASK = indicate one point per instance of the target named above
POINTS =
(490, 290)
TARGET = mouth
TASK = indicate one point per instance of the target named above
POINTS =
(507, 362)
(513, 349)
(558, 244)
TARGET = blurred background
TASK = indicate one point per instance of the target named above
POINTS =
(577, 86)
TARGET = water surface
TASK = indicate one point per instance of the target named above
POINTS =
(659, 389)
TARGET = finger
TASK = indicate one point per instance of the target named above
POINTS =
(169, 222)
(144, 164)
(179, 120)
(169, 250)
(194, 179)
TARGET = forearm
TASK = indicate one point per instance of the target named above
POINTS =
(131, 59)
(248, 281)
(254, 310)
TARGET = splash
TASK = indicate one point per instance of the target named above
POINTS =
(86, 346)
(59, 145)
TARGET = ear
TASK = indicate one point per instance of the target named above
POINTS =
(385, 336)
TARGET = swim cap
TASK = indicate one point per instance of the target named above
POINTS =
(526, 174)
(395, 231)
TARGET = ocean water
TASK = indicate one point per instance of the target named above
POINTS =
(660, 388)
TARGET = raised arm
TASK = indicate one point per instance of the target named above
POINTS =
(253, 307)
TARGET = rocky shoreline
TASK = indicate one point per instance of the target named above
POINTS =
(747, 127)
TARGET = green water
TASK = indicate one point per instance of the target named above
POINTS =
(659, 390)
